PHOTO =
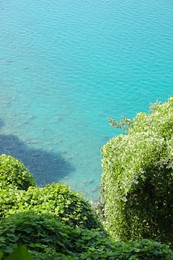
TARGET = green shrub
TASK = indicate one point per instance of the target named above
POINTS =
(10, 200)
(47, 235)
(143, 249)
(54, 199)
(137, 180)
(48, 238)
(59, 200)
(20, 253)
(13, 172)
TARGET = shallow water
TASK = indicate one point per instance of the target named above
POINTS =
(65, 67)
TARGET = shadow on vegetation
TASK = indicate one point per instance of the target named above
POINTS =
(46, 167)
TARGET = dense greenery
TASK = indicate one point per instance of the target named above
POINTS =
(20, 253)
(54, 222)
(48, 238)
(15, 173)
(55, 199)
(47, 235)
(137, 183)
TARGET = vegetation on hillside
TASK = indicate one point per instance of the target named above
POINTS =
(14, 173)
(54, 222)
(48, 238)
(137, 182)
(54, 199)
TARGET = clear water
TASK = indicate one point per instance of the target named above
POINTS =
(68, 65)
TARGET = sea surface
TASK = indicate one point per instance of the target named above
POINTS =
(66, 66)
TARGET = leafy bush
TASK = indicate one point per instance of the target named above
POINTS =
(20, 253)
(47, 235)
(10, 200)
(54, 199)
(48, 238)
(137, 180)
(143, 249)
(13, 172)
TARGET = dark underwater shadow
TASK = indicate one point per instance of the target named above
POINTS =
(46, 167)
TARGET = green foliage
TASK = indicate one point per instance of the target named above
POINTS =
(48, 238)
(124, 123)
(47, 235)
(20, 253)
(55, 223)
(55, 199)
(13, 172)
(143, 249)
(137, 182)
(10, 200)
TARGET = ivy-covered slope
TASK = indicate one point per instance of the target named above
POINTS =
(48, 238)
(55, 199)
(137, 180)
(14, 173)
(56, 223)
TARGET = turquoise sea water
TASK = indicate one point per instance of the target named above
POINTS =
(65, 67)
